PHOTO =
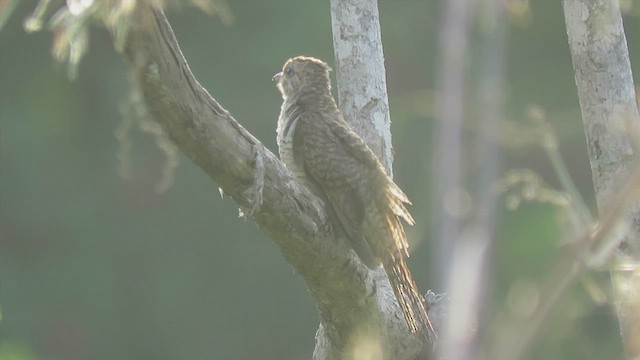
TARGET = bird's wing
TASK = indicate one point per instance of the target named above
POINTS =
(356, 146)
(384, 231)
(358, 149)
(335, 173)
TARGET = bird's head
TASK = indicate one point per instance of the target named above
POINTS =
(301, 74)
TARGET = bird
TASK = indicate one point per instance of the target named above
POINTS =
(327, 156)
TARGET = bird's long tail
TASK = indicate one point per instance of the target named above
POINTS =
(409, 298)
(406, 291)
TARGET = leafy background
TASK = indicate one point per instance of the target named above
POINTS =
(97, 266)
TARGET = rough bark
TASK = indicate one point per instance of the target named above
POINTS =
(357, 308)
(362, 86)
(609, 111)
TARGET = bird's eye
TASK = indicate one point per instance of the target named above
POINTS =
(288, 71)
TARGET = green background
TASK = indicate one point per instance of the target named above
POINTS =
(94, 266)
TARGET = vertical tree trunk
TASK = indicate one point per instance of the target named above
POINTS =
(610, 115)
(362, 85)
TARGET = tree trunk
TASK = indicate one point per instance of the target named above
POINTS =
(362, 84)
(610, 115)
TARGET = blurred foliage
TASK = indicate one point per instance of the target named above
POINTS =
(13, 350)
(71, 21)
(95, 265)
(135, 115)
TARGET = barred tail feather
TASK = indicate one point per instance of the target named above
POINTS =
(409, 298)
(396, 233)
(386, 237)
(404, 287)
(397, 200)
(398, 193)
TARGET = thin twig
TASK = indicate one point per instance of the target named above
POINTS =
(550, 146)
(520, 336)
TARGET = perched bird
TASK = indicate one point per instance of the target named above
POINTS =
(325, 154)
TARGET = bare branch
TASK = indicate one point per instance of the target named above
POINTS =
(214, 141)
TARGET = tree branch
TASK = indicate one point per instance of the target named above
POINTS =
(357, 306)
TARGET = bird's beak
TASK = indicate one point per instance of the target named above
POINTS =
(276, 77)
